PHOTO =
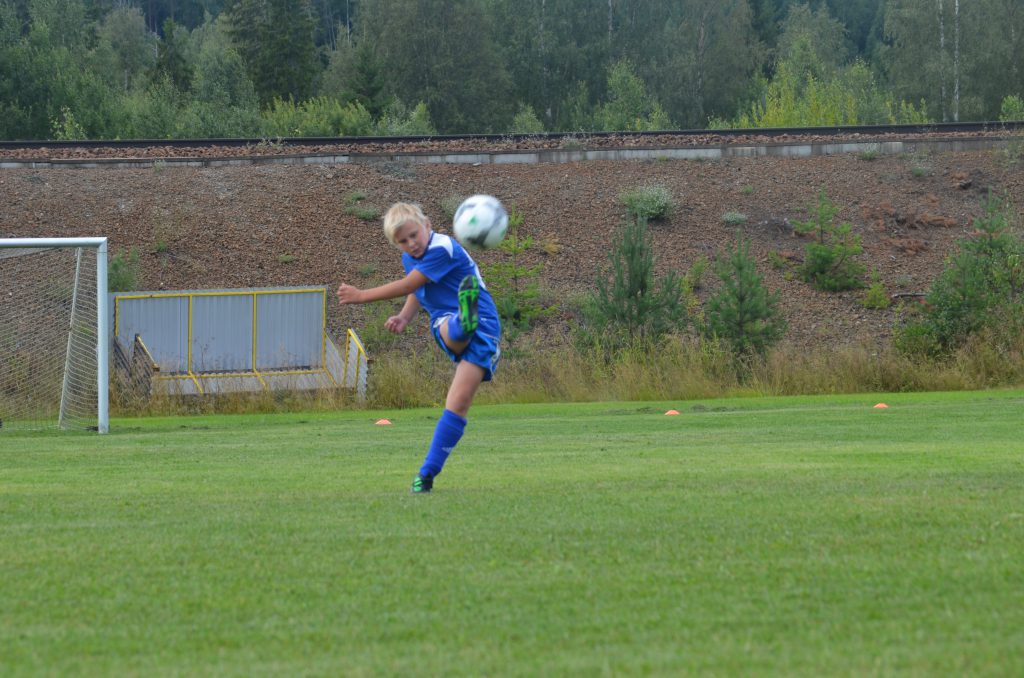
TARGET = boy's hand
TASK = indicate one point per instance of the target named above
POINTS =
(396, 324)
(349, 295)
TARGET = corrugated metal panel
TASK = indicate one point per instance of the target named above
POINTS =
(162, 322)
(222, 333)
(289, 331)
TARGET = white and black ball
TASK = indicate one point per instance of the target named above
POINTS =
(480, 222)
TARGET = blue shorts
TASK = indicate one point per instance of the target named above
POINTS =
(483, 349)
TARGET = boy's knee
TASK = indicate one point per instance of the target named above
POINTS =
(456, 347)
(459, 402)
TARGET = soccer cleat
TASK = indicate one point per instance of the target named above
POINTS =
(469, 296)
(422, 484)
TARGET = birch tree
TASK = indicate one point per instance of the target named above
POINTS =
(995, 70)
(962, 58)
(916, 56)
(443, 53)
(709, 59)
(556, 53)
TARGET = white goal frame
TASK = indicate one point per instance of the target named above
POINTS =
(102, 312)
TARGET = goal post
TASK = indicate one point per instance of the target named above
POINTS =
(54, 334)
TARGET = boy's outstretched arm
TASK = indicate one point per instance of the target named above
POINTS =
(347, 294)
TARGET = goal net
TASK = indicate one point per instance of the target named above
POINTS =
(53, 334)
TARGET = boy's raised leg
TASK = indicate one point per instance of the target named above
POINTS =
(469, 295)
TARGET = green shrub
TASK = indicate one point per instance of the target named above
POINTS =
(915, 338)
(125, 272)
(1012, 109)
(876, 296)
(627, 305)
(515, 286)
(399, 120)
(777, 261)
(795, 97)
(829, 262)
(355, 206)
(374, 336)
(1011, 152)
(630, 107)
(526, 121)
(364, 212)
(316, 117)
(153, 113)
(695, 273)
(734, 218)
(743, 313)
(650, 203)
(66, 127)
(981, 289)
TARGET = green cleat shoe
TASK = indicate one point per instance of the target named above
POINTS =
(422, 484)
(469, 295)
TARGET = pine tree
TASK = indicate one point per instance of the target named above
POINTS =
(170, 57)
(355, 74)
(830, 263)
(632, 305)
(743, 313)
(275, 39)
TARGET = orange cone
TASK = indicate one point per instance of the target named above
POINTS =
(671, 412)
(383, 422)
(881, 406)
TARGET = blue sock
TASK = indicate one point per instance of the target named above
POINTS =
(455, 331)
(446, 435)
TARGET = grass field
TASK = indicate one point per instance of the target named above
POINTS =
(786, 536)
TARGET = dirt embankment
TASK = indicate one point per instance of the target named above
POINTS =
(282, 225)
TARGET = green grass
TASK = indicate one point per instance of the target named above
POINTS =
(786, 536)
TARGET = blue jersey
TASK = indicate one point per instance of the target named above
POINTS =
(445, 264)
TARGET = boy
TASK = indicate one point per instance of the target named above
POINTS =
(442, 278)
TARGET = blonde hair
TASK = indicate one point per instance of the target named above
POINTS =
(401, 213)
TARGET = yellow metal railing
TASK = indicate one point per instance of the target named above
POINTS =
(361, 359)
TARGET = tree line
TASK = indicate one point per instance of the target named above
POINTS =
(103, 69)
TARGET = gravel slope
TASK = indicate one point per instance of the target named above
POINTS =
(274, 225)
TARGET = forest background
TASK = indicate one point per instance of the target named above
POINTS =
(147, 69)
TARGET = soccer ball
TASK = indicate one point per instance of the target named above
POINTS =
(480, 222)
